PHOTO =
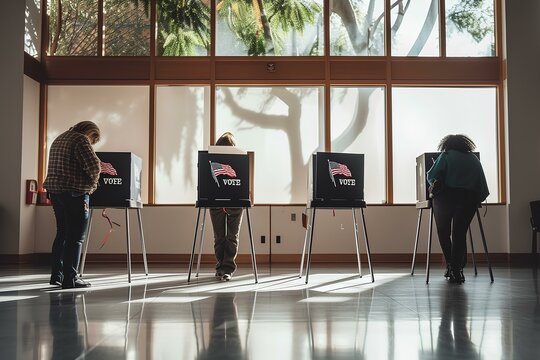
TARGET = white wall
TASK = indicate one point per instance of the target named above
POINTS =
(523, 125)
(29, 162)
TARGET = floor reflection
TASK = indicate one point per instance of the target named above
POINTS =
(68, 339)
(336, 316)
(454, 340)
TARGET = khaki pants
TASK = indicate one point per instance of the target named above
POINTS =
(226, 224)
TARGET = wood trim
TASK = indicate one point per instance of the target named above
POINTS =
(501, 95)
(388, 107)
(33, 68)
(100, 37)
(83, 68)
(42, 153)
(442, 28)
(499, 259)
(152, 108)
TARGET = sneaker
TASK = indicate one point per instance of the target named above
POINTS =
(219, 273)
(226, 277)
(76, 283)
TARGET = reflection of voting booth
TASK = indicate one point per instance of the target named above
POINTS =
(424, 162)
(223, 182)
(120, 191)
(336, 182)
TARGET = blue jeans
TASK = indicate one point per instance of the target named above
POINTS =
(71, 211)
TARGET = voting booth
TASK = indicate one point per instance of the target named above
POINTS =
(119, 187)
(224, 180)
(424, 163)
(336, 181)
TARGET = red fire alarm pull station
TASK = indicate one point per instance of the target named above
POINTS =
(31, 192)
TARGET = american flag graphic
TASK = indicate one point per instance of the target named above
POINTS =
(107, 168)
(222, 169)
(336, 168)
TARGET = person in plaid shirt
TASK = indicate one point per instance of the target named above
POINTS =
(72, 174)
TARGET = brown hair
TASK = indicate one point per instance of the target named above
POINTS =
(227, 139)
(89, 129)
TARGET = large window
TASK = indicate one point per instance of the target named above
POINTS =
(183, 28)
(415, 28)
(32, 27)
(283, 126)
(423, 116)
(357, 27)
(121, 113)
(357, 126)
(73, 27)
(270, 27)
(126, 28)
(182, 128)
(470, 28)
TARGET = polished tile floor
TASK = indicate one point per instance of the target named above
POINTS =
(336, 316)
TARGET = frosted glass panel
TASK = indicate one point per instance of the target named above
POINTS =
(423, 116)
(32, 27)
(470, 28)
(415, 28)
(358, 123)
(357, 27)
(121, 112)
(283, 126)
(182, 128)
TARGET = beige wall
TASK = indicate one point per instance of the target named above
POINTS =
(29, 163)
(523, 125)
(11, 115)
(170, 229)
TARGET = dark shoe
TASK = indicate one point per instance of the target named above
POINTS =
(226, 277)
(461, 275)
(55, 280)
(447, 272)
(76, 283)
(219, 273)
(455, 277)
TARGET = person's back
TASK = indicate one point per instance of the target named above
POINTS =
(73, 166)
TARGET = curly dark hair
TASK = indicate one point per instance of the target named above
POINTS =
(457, 142)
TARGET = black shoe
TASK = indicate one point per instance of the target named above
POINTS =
(219, 273)
(56, 280)
(461, 275)
(76, 283)
(455, 277)
(226, 277)
(447, 272)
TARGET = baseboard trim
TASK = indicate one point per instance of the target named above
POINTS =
(521, 259)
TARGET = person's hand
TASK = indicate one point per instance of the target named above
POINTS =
(107, 168)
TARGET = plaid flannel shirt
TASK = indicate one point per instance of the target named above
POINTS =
(73, 165)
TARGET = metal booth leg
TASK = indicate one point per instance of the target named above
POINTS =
(308, 265)
(308, 229)
(355, 225)
(416, 239)
(472, 250)
(87, 238)
(193, 247)
(128, 239)
(485, 244)
(252, 248)
(202, 242)
(430, 236)
(143, 246)
(367, 245)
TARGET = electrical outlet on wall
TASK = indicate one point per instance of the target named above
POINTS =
(278, 239)
(293, 217)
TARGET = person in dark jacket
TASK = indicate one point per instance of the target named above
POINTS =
(461, 186)
(226, 223)
(72, 174)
